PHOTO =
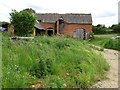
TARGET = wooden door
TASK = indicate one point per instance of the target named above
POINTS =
(79, 34)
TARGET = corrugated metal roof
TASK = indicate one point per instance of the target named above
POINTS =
(69, 18)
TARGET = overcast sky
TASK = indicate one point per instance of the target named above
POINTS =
(103, 11)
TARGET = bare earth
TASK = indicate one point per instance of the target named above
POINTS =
(111, 57)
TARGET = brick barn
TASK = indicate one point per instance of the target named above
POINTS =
(75, 25)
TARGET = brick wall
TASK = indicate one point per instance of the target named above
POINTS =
(70, 28)
(48, 25)
(10, 29)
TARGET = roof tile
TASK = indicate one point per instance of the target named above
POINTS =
(69, 18)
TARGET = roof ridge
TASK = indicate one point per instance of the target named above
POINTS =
(67, 13)
(79, 13)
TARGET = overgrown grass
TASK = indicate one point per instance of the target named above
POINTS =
(113, 44)
(106, 42)
(0, 60)
(57, 62)
(99, 41)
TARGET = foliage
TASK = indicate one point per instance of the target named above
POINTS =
(99, 41)
(113, 44)
(106, 42)
(73, 64)
(23, 22)
(92, 35)
(30, 10)
(56, 82)
(115, 28)
(101, 29)
(42, 68)
(3, 23)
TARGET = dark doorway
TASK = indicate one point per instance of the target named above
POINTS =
(55, 27)
(40, 31)
(50, 31)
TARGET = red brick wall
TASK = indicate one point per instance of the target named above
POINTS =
(48, 25)
(10, 29)
(70, 28)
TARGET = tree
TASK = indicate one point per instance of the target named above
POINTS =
(23, 22)
(101, 29)
(115, 28)
(29, 10)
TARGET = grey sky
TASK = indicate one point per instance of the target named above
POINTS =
(119, 12)
(103, 11)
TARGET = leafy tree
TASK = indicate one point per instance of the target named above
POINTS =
(101, 29)
(23, 22)
(115, 28)
(29, 10)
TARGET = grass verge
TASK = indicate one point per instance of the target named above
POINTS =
(106, 42)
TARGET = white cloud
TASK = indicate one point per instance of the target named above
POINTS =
(103, 11)
(108, 21)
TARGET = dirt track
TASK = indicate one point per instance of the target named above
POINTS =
(112, 75)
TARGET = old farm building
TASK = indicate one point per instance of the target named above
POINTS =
(75, 25)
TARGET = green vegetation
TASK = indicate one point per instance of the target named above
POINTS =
(23, 22)
(0, 60)
(99, 41)
(112, 44)
(106, 41)
(54, 62)
(3, 23)
(115, 28)
(102, 29)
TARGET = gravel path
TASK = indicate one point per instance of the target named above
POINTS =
(111, 57)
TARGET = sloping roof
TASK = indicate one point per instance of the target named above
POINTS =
(68, 18)
(38, 25)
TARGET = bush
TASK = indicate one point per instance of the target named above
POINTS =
(42, 68)
(92, 35)
(23, 22)
(101, 29)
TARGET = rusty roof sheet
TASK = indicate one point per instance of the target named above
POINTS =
(68, 18)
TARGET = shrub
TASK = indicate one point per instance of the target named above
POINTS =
(23, 22)
(42, 68)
